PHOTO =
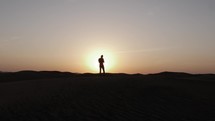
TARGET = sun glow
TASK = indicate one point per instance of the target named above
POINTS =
(93, 64)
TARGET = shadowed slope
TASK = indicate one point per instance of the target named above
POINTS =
(111, 97)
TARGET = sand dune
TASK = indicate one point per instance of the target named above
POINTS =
(114, 97)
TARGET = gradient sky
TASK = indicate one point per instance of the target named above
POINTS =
(142, 36)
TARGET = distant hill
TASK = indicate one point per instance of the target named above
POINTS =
(182, 75)
(32, 75)
(29, 75)
(171, 74)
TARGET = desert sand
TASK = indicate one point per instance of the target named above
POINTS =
(58, 96)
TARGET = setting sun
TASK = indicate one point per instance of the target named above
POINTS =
(93, 64)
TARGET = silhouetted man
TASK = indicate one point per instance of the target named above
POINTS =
(101, 64)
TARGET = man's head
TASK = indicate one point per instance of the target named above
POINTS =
(101, 56)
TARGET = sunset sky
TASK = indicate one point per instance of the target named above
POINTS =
(135, 36)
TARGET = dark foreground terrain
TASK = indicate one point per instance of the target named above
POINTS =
(56, 96)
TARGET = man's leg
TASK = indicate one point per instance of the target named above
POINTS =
(103, 68)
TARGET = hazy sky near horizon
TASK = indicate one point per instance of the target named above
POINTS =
(140, 36)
